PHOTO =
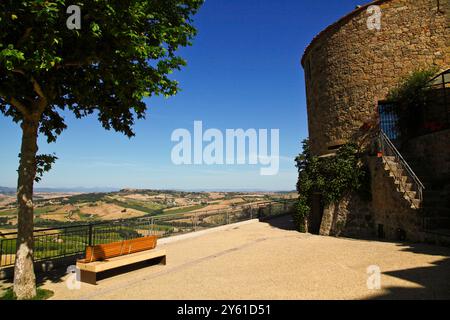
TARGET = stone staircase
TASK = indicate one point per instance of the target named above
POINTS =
(403, 182)
(413, 178)
(435, 206)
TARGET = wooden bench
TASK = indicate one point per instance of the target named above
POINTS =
(114, 255)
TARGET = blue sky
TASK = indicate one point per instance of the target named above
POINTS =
(243, 72)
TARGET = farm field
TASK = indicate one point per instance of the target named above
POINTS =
(61, 209)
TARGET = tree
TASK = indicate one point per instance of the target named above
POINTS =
(123, 52)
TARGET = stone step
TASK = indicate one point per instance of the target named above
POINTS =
(415, 203)
(394, 166)
(405, 182)
(390, 160)
(403, 173)
(400, 178)
(398, 174)
(411, 194)
(404, 186)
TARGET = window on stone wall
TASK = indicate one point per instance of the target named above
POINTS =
(388, 120)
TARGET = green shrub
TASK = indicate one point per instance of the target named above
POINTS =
(41, 294)
(333, 177)
(408, 100)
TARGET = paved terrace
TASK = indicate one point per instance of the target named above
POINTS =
(257, 260)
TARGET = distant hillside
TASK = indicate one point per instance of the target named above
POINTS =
(7, 190)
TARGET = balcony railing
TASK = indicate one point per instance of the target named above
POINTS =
(55, 243)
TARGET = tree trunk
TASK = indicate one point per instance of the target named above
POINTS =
(24, 278)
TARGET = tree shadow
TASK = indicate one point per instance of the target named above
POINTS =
(434, 280)
(55, 276)
(44, 273)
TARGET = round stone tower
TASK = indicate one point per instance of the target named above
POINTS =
(351, 65)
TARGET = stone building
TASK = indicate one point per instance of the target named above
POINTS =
(349, 69)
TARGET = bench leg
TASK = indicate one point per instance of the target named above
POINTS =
(163, 260)
(88, 277)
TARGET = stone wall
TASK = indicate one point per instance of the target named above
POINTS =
(349, 68)
(390, 209)
(429, 156)
(353, 217)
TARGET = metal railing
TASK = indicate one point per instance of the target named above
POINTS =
(388, 149)
(431, 115)
(55, 243)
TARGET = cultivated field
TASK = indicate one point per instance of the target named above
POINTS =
(59, 209)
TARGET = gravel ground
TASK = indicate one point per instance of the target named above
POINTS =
(268, 261)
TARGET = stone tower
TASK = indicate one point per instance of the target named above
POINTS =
(349, 68)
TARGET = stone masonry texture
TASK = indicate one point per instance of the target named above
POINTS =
(349, 68)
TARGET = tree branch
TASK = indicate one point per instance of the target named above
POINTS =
(18, 71)
(43, 101)
(79, 64)
(19, 106)
(16, 103)
(38, 89)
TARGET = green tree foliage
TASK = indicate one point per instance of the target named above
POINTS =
(409, 99)
(333, 177)
(124, 51)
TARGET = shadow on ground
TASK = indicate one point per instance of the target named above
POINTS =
(284, 222)
(55, 275)
(434, 281)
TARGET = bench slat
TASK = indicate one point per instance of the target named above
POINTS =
(99, 266)
(115, 249)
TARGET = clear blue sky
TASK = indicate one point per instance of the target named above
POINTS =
(243, 72)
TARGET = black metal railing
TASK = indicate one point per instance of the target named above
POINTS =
(433, 114)
(438, 114)
(54, 243)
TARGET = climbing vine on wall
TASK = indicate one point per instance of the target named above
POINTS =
(333, 177)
